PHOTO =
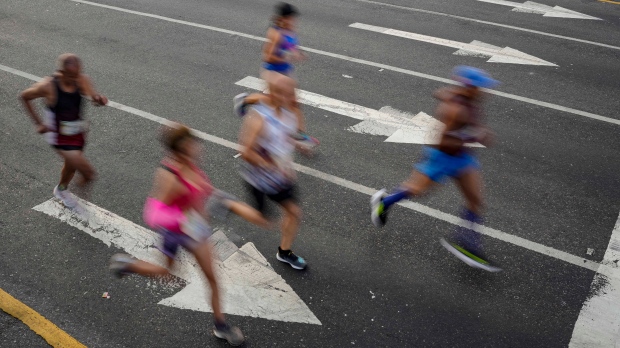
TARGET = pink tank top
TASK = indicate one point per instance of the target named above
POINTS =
(171, 216)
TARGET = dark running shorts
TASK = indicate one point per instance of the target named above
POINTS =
(287, 194)
(68, 147)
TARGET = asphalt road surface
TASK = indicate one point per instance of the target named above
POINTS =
(552, 181)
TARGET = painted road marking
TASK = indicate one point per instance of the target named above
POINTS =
(545, 10)
(610, 2)
(369, 63)
(398, 126)
(496, 54)
(491, 232)
(490, 23)
(598, 324)
(250, 285)
(51, 333)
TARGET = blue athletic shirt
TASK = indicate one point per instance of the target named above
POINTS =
(287, 43)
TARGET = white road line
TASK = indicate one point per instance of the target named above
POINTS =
(491, 23)
(398, 126)
(366, 62)
(250, 285)
(497, 234)
(495, 54)
(598, 324)
(545, 10)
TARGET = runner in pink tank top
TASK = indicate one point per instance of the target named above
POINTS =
(176, 208)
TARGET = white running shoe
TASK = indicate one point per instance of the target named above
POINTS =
(240, 108)
(65, 197)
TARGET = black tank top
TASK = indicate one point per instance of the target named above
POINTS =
(68, 105)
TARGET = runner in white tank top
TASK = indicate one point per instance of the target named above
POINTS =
(267, 152)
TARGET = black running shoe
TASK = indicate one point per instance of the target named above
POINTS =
(295, 261)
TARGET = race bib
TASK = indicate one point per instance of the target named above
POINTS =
(72, 127)
(196, 227)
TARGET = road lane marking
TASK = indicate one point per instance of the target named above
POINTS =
(366, 62)
(545, 10)
(250, 285)
(398, 126)
(490, 23)
(51, 333)
(598, 324)
(454, 220)
(495, 54)
(610, 2)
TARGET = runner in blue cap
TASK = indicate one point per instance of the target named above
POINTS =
(459, 109)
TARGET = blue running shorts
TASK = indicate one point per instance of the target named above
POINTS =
(437, 165)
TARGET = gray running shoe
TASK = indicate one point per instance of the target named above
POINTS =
(232, 334)
(119, 264)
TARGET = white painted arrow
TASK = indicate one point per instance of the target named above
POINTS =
(545, 10)
(598, 323)
(249, 284)
(475, 48)
(398, 126)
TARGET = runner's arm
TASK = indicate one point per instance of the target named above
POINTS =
(40, 89)
(271, 46)
(488, 136)
(87, 89)
(250, 130)
(255, 98)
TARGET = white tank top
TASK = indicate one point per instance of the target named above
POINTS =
(275, 144)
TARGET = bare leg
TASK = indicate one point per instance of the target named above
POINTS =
(301, 119)
(204, 257)
(290, 224)
(66, 174)
(248, 213)
(417, 184)
(470, 184)
(75, 161)
(148, 269)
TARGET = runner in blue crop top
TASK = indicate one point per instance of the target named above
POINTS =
(281, 48)
(279, 53)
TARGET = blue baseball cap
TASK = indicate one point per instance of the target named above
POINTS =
(474, 77)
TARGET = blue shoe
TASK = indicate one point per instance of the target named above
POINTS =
(295, 261)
